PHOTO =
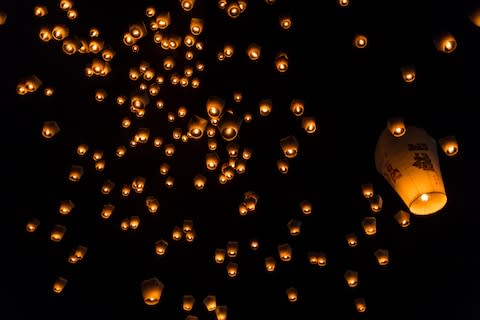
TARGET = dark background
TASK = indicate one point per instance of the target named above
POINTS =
(434, 263)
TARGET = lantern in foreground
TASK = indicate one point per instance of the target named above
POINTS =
(152, 291)
(410, 165)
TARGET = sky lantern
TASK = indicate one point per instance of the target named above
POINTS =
(76, 172)
(294, 227)
(410, 165)
(292, 294)
(188, 302)
(229, 126)
(210, 302)
(396, 126)
(107, 210)
(58, 231)
(107, 186)
(232, 248)
(352, 239)
(65, 207)
(369, 225)
(382, 256)
(360, 41)
(50, 129)
(59, 285)
(32, 224)
(360, 304)
(285, 22)
(403, 218)
(38, 11)
(376, 203)
(281, 62)
(152, 290)
(289, 146)
(187, 5)
(309, 125)
(445, 43)
(285, 252)
(220, 255)
(254, 51)
(196, 127)
(161, 247)
(408, 74)
(449, 145)
(232, 269)
(152, 204)
(221, 312)
(351, 277)
(270, 264)
(367, 190)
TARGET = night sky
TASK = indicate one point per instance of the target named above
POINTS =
(350, 92)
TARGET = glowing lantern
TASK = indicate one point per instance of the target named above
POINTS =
(58, 231)
(229, 126)
(157, 142)
(120, 151)
(240, 166)
(475, 16)
(265, 107)
(382, 256)
(124, 224)
(344, 3)
(232, 269)
(164, 168)
(367, 190)
(152, 291)
(270, 264)
(233, 10)
(408, 74)
(376, 203)
(50, 129)
(449, 145)
(75, 173)
(352, 240)
(169, 150)
(196, 26)
(152, 204)
(126, 190)
(294, 226)
(289, 146)
(163, 20)
(142, 135)
(187, 5)
(59, 285)
(285, 252)
(321, 259)
(100, 165)
(190, 236)
(107, 211)
(32, 224)
(360, 304)
(281, 62)
(44, 34)
(212, 144)
(369, 225)
(134, 222)
(232, 248)
(309, 124)
(285, 22)
(60, 32)
(169, 182)
(228, 50)
(177, 233)
(49, 91)
(222, 4)
(210, 302)
(212, 160)
(196, 127)
(403, 218)
(220, 255)
(80, 252)
(446, 43)
(360, 41)
(138, 184)
(69, 46)
(351, 277)
(107, 187)
(82, 149)
(410, 165)
(38, 11)
(254, 245)
(100, 95)
(161, 247)
(396, 126)
(292, 294)
(199, 181)
(95, 46)
(221, 312)
(254, 51)
(215, 107)
(188, 302)
(65, 207)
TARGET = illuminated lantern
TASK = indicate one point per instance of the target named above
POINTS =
(285, 252)
(360, 41)
(382, 256)
(164, 168)
(100, 165)
(163, 20)
(82, 149)
(396, 126)
(107, 211)
(233, 149)
(100, 95)
(237, 96)
(196, 127)
(44, 34)
(449, 145)
(187, 225)
(138, 184)
(285, 22)
(189, 41)
(126, 190)
(232, 248)
(351, 277)
(321, 259)
(475, 16)
(75, 173)
(229, 126)
(410, 165)
(50, 129)
(220, 255)
(352, 240)
(210, 302)
(187, 5)
(214, 107)
(152, 204)
(233, 10)
(265, 107)
(240, 166)
(212, 144)
(222, 4)
(221, 312)
(270, 264)
(254, 245)
(369, 225)
(199, 181)
(309, 124)
(367, 190)
(247, 153)
(157, 142)
(95, 46)
(38, 11)
(150, 12)
(80, 252)
(124, 224)
(66, 206)
(60, 32)
(408, 74)
(292, 294)
(446, 43)
(59, 285)
(188, 302)
(254, 51)
(58, 231)
(190, 236)
(32, 224)
(360, 305)
(120, 151)
(376, 203)
(70, 46)
(152, 291)
(232, 269)
(344, 3)
(169, 182)
(134, 222)
(137, 31)
(229, 172)
(281, 62)
(161, 247)
(142, 135)
(48, 92)
(196, 26)
(228, 50)
(107, 187)
(177, 233)
(190, 317)
(212, 160)
(306, 207)
(169, 150)
(403, 218)
(294, 226)
(289, 146)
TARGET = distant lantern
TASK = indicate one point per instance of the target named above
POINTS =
(367, 190)
(270, 264)
(396, 126)
(32, 224)
(449, 145)
(59, 285)
(170, 182)
(196, 127)
(95, 46)
(475, 16)
(232, 269)
(65, 207)
(100, 165)
(403, 218)
(369, 225)
(309, 125)
(212, 160)
(321, 259)
(44, 34)
(60, 32)
(152, 291)
(142, 135)
(313, 257)
(215, 107)
(285, 22)
(265, 107)
(107, 186)
(120, 151)
(152, 204)
(445, 43)
(360, 305)
(254, 244)
(285, 252)
(76, 173)
(187, 5)
(352, 240)
(100, 95)
(58, 231)
(107, 211)
(247, 153)
(240, 166)
(137, 30)
(196, 26)
(38, 11)
(228, 50)
(188, 302)
(82, 149)
(360, 41)
(177, 233)
(233, 149)
(232, 248)
(410, 165)
(292, 294)
(306, 207)
(161, 247)
(125, 224)
(237, 96)
(134, 222)
(233, 10)
(294, 227)
(70, 46)
(382, 256)
(220, 255)
(408, 74)
(376, 203)
(80, 252)
(138, 184)
(163, 20)
(351, 277)
(222, 4)
(164, 168)
(221, 312)
(199, 181)
(212, 144)
(229, 126)
(344, 3)
(289, 146)
(169, 149)
(49, 91)
(254, 51)
(210, 302)
(50, 129)
(281, 62)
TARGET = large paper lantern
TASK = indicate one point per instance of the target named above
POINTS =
(410, 165)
